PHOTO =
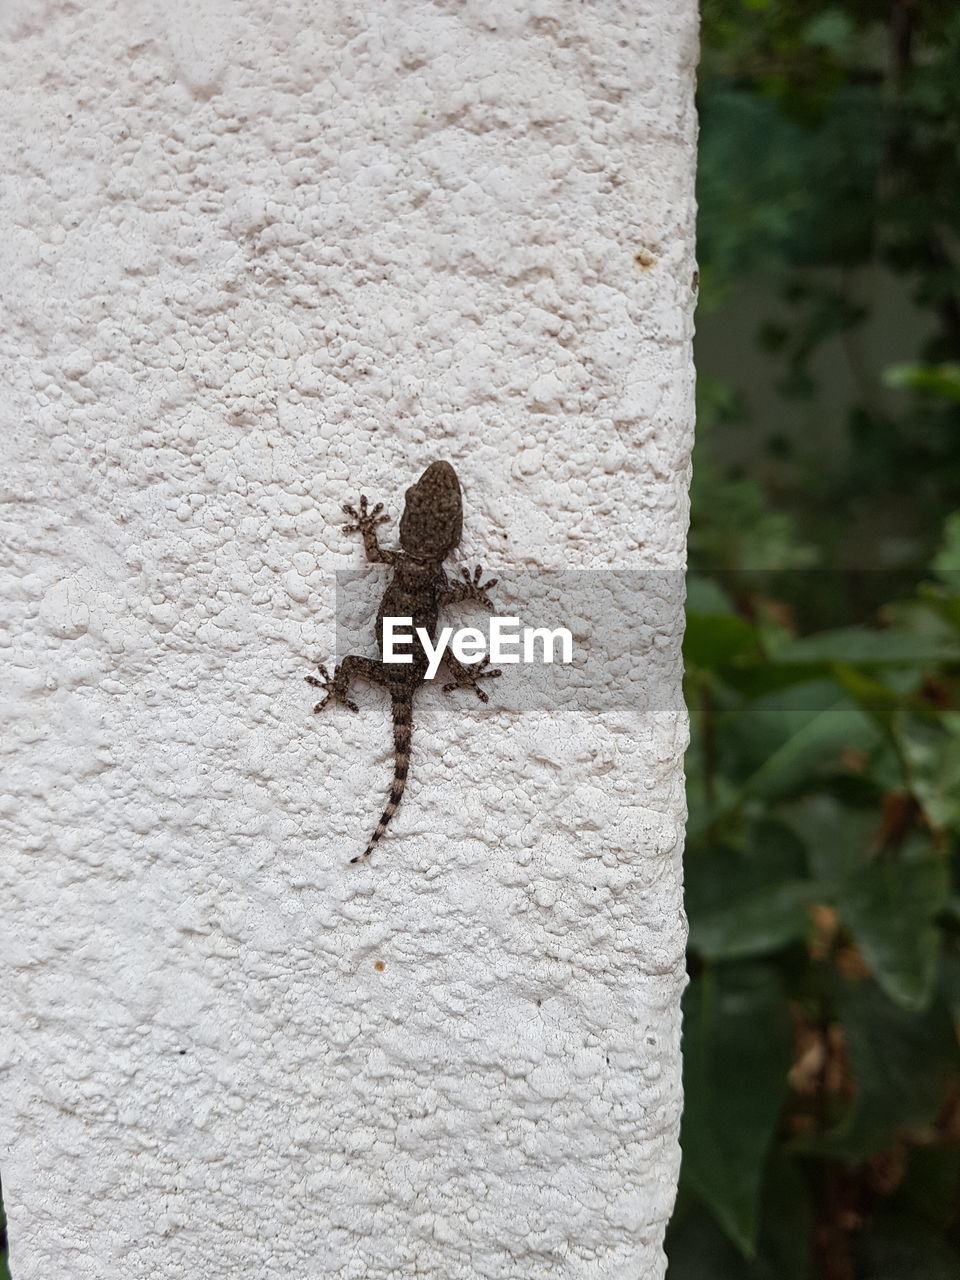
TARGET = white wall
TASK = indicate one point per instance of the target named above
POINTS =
(258, 257)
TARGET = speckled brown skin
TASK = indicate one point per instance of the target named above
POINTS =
(430, 529)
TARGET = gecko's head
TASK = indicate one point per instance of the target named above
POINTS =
(432, 519)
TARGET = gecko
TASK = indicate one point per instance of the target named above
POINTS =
(430, 529)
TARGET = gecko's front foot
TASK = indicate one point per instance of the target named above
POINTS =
(366, 521)
(473, 589)
(332, 688)
(467, 677)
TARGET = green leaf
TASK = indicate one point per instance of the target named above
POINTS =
(837, 836)
(706, 596)
(735, 1081)
(903, 1064)
(950, 978)
(697, 1249)
(940, 601)
(878, 701)
(899, 1247)
(832, 29)
(863, 645)
(721, 875)
(930, 745)
(930, 612)
(946, 562)
(941, 380)
(811, 743)
(786, 1222)
(712, 640)
(889, 904)
(758, 923)
(770, 749)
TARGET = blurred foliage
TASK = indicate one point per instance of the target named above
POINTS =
(829, 168)
(821, 1133)
(822, 1069)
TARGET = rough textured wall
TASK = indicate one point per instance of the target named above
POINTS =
(257, 257)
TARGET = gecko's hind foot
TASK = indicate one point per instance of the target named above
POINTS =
(467, 677)
(333, 691)
(365, 520)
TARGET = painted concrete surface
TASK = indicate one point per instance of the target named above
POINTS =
(259, 258)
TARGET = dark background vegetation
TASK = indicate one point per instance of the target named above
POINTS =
(821, 1136)
(822, 1129)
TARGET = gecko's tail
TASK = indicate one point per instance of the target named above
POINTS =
(402, 721)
